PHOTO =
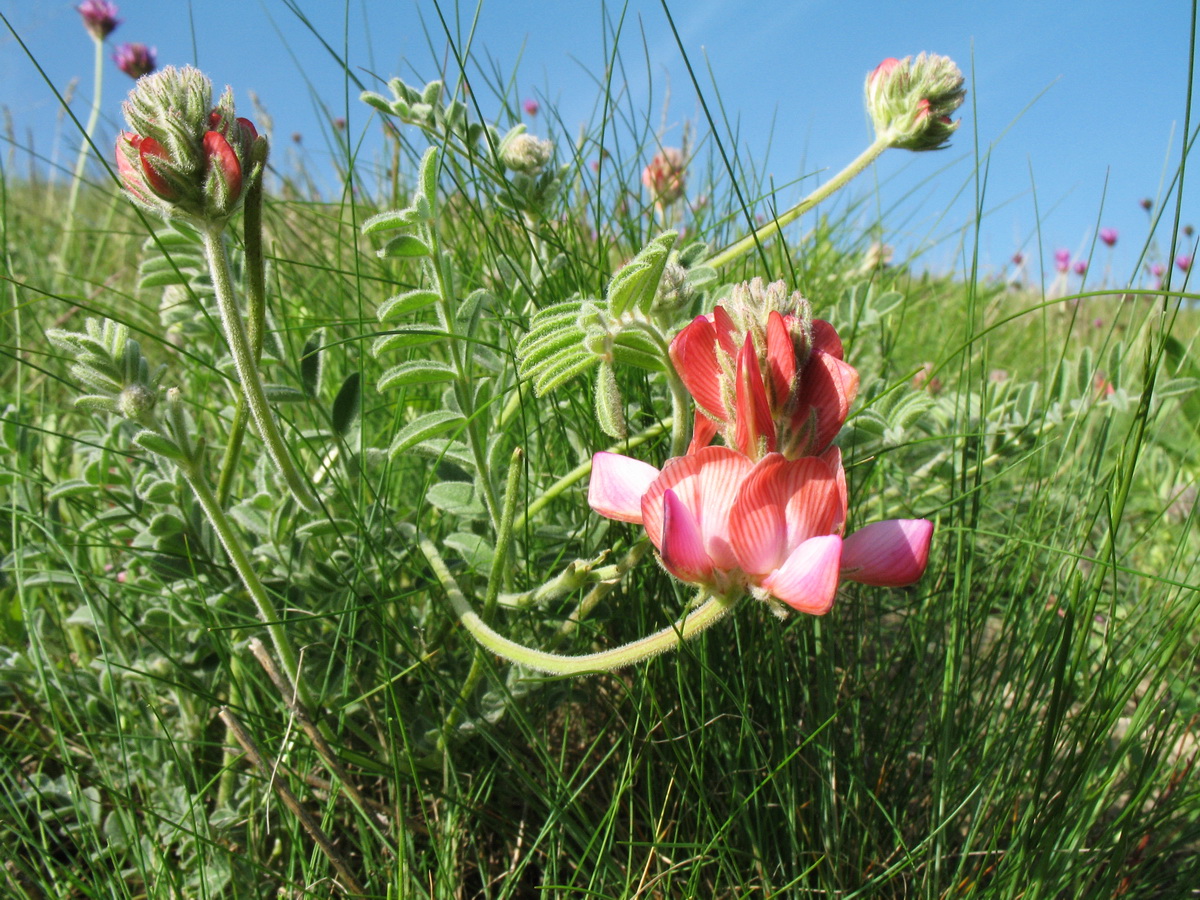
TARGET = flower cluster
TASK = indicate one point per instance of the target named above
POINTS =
(666, 176)
(767, 512)
(99, 17)
(136, 60)
(184, 157)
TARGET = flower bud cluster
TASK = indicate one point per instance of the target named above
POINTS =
(183, 157)
(911, 100)
(666, 176)
(525, 153)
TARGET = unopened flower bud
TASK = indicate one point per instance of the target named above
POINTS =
(911, 100)
(136, 401)
(526, 153)
(673, 291)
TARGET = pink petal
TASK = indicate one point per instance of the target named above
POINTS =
(683, 552)
(781, 504)
(617, 485)
(825, 337)
(149, 148)
(694, 355)
(753, 411)
(703, 431)
(808, 580)
(781, 358)
(827, 388)
(891, 553)
(726, 331)
(221, 156)
(706, 482)
(832, 457)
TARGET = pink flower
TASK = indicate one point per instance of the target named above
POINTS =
(666, 175)
(136, 60)
(1108, 236)
(773, 527)
(1080, 267)
(531, 107)
(1018, 258)
(99, 17)
(1062, 259)
(1158, 270)
(765, 380)
(1183, 262)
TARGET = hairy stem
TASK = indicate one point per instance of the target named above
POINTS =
(772, 228)
(669, 638)
(247, 370)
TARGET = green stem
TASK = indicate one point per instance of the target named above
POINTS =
(256, 315)
(247, 369)
(669, 638)
(84, 149)
(864, 159)
(245, 569)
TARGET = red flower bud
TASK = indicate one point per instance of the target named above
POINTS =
(220, 155)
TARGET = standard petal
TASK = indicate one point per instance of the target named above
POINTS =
(833, 458)
(781, 504)
(694, 354)
(827, 388)
(683, 552)
(891, 553)
(808, 579)
(617, 485)
(706, 483)
(825, 337)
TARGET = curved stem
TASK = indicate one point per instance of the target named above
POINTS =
(864, 159)
(704, 616)
(247, 369)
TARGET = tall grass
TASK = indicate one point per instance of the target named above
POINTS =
(1021, 723)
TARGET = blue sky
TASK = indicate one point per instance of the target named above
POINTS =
(1078, 108)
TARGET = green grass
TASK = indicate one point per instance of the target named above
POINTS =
(1020, 723)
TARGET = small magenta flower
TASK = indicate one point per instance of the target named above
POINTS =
(531, 107)
(136, 60)
(1108, 236)
(1062, 259)
(1080, 267)
(1158, 270)
(99, 17)
(666, 176)
(911, 100)
(1183, 262)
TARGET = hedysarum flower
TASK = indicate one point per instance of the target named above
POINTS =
(99, 17)
(531, 107)
(764, 374)
(183, 157)
(1080, 267)
(1108, 236)
(1183, 262)
(666, 176)
(724, 523)
(136, 60)
(911, 100)
(1062, 260)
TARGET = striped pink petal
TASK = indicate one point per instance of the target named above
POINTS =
(706, 482)
(617, 485)
(781, 504)
(754, 420)
(808, 579)
(891, 553)
(683, 552)
(694, 355)
(781, 358)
